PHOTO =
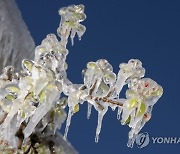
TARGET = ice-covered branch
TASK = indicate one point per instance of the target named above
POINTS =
(32, 98)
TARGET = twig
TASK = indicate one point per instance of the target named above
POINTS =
(100, 106)
(51, 147)
(20, 135)
(28, 150)
(93, 87)
(105, 99)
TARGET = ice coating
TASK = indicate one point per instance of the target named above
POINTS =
(31, 100)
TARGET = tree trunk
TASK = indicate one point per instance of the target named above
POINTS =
(15, 39)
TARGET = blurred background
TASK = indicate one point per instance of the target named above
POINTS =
(119, 30)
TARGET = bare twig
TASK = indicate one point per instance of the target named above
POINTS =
(51, 147)
(20, 135)
(28, 150)
(105, 99)
(93, 87)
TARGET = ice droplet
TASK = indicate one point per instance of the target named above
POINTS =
(89, 110)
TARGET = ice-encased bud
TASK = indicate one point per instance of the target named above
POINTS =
(8, 74)
(27, 65)
(132, 69)
(141, 97)
(89, 110)
(73, 13)
(71, 17)
(109, 78)
(104, 65)
(100, 72)
(47, 46)
(50, 41)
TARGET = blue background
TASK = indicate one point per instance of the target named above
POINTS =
(119, 30)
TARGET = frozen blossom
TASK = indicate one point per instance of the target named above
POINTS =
(31, 106)
(71, 17)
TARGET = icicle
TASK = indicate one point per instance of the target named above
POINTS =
(132, 138)
(40, 112)
(113, 107)
(100, 118)
(140, 126)
(16, 105)
(99, 80)
(13, 130)
(97, 138)
(120, 82)
(72, 41)
(81, 31)
(132, 119)
(8, 134)
(68, 122)
(131, 141)
(89, 110)
(119, 113)
(39, 85)
(73, 33)
(59, 121)
(98, 129)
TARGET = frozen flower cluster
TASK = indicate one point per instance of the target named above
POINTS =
(31, 106)
(102, 87)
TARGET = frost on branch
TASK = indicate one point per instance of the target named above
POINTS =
(32, 109)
